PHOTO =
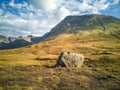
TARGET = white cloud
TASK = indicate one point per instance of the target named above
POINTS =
(18, 6)
(46, 4)
(25, 24)
(84, 6)
(12, 3)
(1, 11)
(62, 13)
(116, 1)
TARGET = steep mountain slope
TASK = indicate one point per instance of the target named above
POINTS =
(75, 24)
(31, 67)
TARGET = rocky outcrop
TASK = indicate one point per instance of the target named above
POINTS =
(68, 59)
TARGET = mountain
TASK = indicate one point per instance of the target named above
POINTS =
(13, 42)
(70, 25)
(76, 24)
(3, 39)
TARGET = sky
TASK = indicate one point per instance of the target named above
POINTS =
(37, 17)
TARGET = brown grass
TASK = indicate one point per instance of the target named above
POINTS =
(29, 68)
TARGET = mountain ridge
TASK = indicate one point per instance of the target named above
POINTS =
(72, 24)
(16, 42)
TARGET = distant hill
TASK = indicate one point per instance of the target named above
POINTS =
(3, 39)
(13, 42)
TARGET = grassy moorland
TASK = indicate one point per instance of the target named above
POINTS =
(31, 67)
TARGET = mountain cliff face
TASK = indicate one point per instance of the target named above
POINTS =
(75, 24)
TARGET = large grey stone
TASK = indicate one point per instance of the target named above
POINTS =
(68, 59)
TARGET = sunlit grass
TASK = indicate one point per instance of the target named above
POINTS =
(30, 68)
